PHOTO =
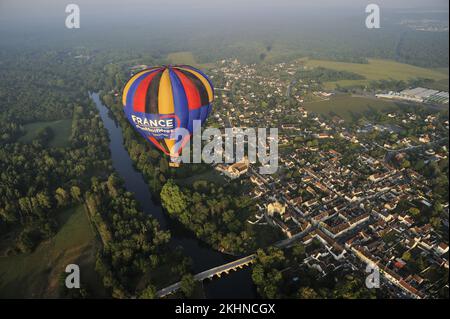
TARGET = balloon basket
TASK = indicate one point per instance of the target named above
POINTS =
(174, 161)
(172, 164)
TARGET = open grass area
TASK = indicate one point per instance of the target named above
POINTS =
(60, 128)
(186, 57)
(211, 175)
(378, 70)
(347, 106)
(36, 275)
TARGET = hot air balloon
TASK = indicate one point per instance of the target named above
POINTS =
(160, 99)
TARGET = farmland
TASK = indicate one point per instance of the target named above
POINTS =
(378, 70)
(348, 106)
(186, 57)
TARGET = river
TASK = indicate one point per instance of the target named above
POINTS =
(236, 284)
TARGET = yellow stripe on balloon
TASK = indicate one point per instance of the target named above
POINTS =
(165, 96)
(204, 81)
(165, 102)
(170, 143)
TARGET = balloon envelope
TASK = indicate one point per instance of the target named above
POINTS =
(160, 99)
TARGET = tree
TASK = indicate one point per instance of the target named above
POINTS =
(148, 293)
(113, 181)
(61, 196)
(75, 192)
(173, 199)
(43, 200)
(415, 212)
(307, 293)
(258, 274)
(8, 214)
(405, 164)
(187, 285)
(298, 251)
(266, 274)
(163, 165)
(406, 256)
(435, 222)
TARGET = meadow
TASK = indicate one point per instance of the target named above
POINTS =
(348, 107)
(186, 57)
(211, 175)
(37, 274)
(378, 69)
(60, 128)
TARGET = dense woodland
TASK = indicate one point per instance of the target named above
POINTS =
(133, 244)
(218, 215)
(38, 181)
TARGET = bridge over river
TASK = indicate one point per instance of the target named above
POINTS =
(226, 268)
(210, 273)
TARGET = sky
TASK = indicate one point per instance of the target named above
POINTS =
(45, 19)
(35, 12)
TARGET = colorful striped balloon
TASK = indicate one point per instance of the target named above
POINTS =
(159, 99)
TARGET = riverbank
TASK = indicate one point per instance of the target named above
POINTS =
(203, 256)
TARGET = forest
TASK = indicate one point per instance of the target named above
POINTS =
(217, 215)
(39, 181)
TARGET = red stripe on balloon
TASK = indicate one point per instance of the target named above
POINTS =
(192, 94)
(156, 143)
(140, 95)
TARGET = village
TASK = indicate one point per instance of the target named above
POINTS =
(353, 187)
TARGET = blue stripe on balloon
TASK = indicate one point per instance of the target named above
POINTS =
(193, 115)
(204, 113)
(179, 99)
(196, 115)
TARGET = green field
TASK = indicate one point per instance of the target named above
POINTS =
(60, 128)
(378, 70)
(346, 106)
(36, 275)
(211, 175)
(186, 57)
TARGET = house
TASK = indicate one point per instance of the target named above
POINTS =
(442, 248)
(236, 170)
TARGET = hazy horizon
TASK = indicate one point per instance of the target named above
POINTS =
(205, 26)
(51, 13)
